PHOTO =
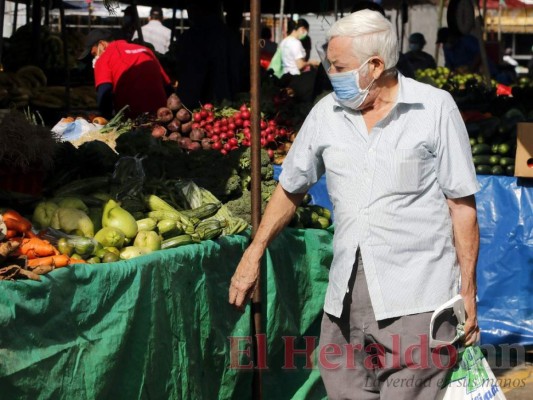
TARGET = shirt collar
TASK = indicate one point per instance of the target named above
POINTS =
(406, 94)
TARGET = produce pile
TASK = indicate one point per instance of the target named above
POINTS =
(224, 130)
(83, 224)
(493, 140)
(311, 216)
(28, 87)
(443, 78)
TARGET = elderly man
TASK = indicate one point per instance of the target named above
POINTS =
(400, 175)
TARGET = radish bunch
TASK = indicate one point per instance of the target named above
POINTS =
(228, 130)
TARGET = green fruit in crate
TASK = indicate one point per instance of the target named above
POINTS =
(473, 141)
(494, 160)
(504, 148)
(483, 169)
(481, 159)
(507, 161)
(497, 170)
(509, 170)
(481, 149)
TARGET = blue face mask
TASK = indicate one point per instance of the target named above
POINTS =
(347, 90)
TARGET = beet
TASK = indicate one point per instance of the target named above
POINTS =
(184, 142)
(158, 131)
(164, 114)
(194, 146)
(197, 134)
(174, 103)
(174, 125)
(186, 128)
(183, 115)
(206, 144)
(174, 136)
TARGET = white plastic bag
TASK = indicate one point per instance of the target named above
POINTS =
(471, 379)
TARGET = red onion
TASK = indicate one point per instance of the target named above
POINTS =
(194, 146)
(158, 131)
(174, 102)
(206, 144)
(164, 114)
(174, 136)
(197, 134)
(174, 125)
(184, 142)
(183, 115)
(186, 128)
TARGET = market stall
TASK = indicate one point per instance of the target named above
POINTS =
(159, 325)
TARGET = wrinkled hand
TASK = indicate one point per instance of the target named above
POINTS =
(243, 282)
(472, 333)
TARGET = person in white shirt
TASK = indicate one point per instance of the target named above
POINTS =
(292, 52)
(155, 33)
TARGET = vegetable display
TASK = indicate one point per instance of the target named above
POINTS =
(493, 141)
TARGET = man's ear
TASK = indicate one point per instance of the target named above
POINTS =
(378, 66)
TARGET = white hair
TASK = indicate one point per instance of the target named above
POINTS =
(372, 33)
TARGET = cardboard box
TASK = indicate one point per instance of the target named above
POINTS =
(524, 150)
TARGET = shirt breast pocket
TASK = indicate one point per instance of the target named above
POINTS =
(407, 170)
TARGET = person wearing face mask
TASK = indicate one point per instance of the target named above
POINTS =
(125, 74)
(399, 171)
(418, 58)
(292, 51)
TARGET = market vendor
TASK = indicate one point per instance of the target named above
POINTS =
(401, 179)
(125, 74)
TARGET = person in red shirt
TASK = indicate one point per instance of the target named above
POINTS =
(125, 74)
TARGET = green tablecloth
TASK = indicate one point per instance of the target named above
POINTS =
(159, 326)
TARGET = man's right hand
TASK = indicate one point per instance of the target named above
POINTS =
(244, 281)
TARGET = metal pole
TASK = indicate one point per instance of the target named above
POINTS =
(2, 11)
(281, 13)
(65, 53)
(36, 31)
(336, 9)
(478, 31)
(15, 17)
(255, 97)
(439, 25)
(137, 22)
(174, 19)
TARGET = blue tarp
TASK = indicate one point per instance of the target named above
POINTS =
(505, 265)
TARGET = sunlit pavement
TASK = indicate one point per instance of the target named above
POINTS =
(517, 382)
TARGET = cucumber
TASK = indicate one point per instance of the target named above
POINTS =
(495, 160)
(507, 161)
(483, 169)
(473, 141)
(481, 149)
(481, 139)
(481, 160)
(509, 170)
(494, 148)
(497, 170)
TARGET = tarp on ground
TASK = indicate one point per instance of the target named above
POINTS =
(159, 326)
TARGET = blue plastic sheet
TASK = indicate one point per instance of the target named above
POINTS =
(505, 265)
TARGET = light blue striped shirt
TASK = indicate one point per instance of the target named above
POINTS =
(389, 190)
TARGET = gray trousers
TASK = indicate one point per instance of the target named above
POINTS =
(364, 359)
